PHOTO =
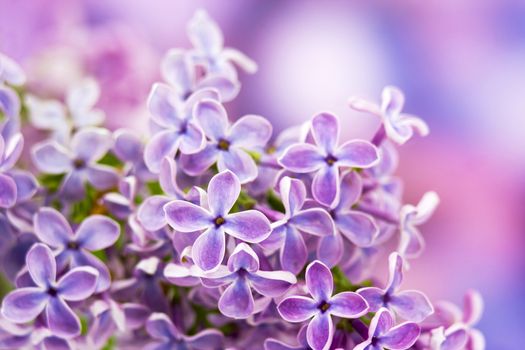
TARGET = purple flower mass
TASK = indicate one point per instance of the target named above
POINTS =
(207, 233)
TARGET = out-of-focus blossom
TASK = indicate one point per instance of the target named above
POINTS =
(10, 151)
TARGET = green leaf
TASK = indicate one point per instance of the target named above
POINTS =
(274, 201)
(111, 160)
(154, 188)
(51, 182)
(110, 344)
(256, 156)
(83, 208)
(244, 202)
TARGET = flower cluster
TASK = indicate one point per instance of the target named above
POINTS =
(209, 233)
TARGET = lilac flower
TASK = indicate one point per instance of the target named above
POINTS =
(358, 227)
(323, 305)
(209, 249)
(302, 342)
(242, 274)
(9, 153)
(25, 304)
(228, 144)
(129, 149)
(452, 338)
(383, 335)
(177, 130)
(411, 305)
(208, 43)
(167, 336)
(326, 157)
(398, 127)
(12, 74)
(412, 243)
(79, 163)
(94, 233)
(286, 233)
(179, 69)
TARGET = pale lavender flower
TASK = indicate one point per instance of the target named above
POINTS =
(322, 306)
(412, 243)
(160, 327)
(94, 233)
(179, 69)
(287, 233)
(452, 338)
(227, 144)
(398, 127)
(10, 151)
(79, 162)
(129, 148)
(326, 157)
(10, 73)
(209, 50)
(358, 227)
(410, 305)
(209, 248)
(382, 333)
(240, 276)
(49, 295)
(176, 129)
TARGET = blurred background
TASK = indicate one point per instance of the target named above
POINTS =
(461, 64)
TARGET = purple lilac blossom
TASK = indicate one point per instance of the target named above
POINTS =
(326, 157)
(322, 306)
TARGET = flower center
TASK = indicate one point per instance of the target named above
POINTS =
(330, 160)
(72, 245)
(52, 291)
(323, 306)
(223, 144)
(386, 299)
(219, 220)
(79, 163)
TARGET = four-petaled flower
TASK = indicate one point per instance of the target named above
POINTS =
(160, 327)
(227, 144)
(25, 304)
(79, 163)
(411, 305)
(241, 275)
(398, 127)
(209, 248)
(412, 242)
(323, 305)
(383, 335)
(286, 233)
(326, 157)
(94, 233)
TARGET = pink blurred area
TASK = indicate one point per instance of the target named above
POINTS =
(461, 64)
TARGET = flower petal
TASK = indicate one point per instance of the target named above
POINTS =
(301, 158)
(297, 308)
(330, 249)
(223, 190)
(381, 323)
(128, 146)
(41, 265)
(227, 87)
(319, 281)
(84, 258)
(52, 228)
(159, 326)
(348, 305)
(178, 70)
(61, 320)
(78, 283)
(205, 34)
(192, 140)
(359, 228)
(51, 158)
(325, 130)
(24, 304)
(90, 144)
(187, 217)
(164, 106)
(272, 283)
(197, 163)
(207, 339)
(12, 151)
(325, 186)
(315, 221)
(209, 249)
(373, 296)
(357, 154)
(351, 189)
(395, 266)
(212, 117)
(151, 213)
(26, 184)
(243, 257)
(163, 144)
(294, 252)
(239, 162)
(320, 332)
(250, 226)
(8, 191)
(401, 337)
(411, 305)
(237, 300)
(293, 193)
(392, 101)
(102, 177)
(250, 131)
(472, 307)
(97, 232)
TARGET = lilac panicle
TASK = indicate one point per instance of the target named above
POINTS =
(326, 157)
(321, 306)
(49, 295)
(205, 232)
